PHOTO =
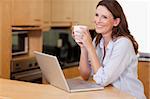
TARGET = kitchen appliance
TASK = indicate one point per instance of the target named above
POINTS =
(20, 42)
(26, 69)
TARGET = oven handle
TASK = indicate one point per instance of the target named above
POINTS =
(27, 73)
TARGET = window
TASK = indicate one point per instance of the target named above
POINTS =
(138, 16)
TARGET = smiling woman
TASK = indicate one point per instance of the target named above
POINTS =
(106, 58)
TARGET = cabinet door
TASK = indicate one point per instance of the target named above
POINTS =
(84, 11)
(61, 12)
(46, 15)
(144, 76)
(36, 11)
(71, 72)
(26, 12)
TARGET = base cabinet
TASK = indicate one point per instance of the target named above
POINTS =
(71, 72)
(144, 76)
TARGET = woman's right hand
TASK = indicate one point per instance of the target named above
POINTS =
(76, 37)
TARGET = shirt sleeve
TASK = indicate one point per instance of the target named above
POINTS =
(119, 60)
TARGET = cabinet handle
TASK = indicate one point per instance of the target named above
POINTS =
(37, 20)
(46, 22)
(68, 18)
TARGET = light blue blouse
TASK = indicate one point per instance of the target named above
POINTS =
(119, 67)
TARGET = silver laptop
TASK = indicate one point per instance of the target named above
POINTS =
(53, 73)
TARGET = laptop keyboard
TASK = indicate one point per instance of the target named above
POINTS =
(81, 84)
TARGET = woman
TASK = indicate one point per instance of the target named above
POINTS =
(111, 57)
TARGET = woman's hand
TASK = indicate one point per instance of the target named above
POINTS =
(86, 39)
(77, 38)
(94, 60)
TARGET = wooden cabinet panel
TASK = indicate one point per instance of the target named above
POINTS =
(5, 38)
(36, 11)
(80, 11)
(35, 42)
(144, 76)
(46, 15)
(26, 12)
(71, 72)
(84, 11)
(31, 13)
(61, 11)
(70, 12)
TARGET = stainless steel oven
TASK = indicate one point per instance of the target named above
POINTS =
(34, 76)
(26, 70)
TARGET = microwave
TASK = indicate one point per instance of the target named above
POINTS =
(20, 42)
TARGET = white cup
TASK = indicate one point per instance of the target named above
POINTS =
(78, 30)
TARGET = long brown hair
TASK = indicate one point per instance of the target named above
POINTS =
(122, 29)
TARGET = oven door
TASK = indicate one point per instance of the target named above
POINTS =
(20, 43)
(34, 76)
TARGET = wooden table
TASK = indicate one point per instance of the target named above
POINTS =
(11, 89)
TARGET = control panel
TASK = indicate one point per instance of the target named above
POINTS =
(26, 69)
(23, 65)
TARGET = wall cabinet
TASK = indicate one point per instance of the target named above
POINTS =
(144, 76)
(84, 11)
(70, 12)
(31, 13)
(26, 12)
(61, 11)
(46, 18)
(5, 38)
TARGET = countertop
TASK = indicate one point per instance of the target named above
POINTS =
(144, 59)
(11, 89)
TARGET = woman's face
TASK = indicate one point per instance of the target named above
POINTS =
(104, 21)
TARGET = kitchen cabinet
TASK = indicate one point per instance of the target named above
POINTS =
(61, 11)
(84, 11)
(31, 13)
(71, 12)
(46, 12)
(26, 12)
(35, 38)
(71, 72)
(5, 38)
(144, 76)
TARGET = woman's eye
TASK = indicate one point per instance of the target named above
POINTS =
(104, 16)
(96, 14)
